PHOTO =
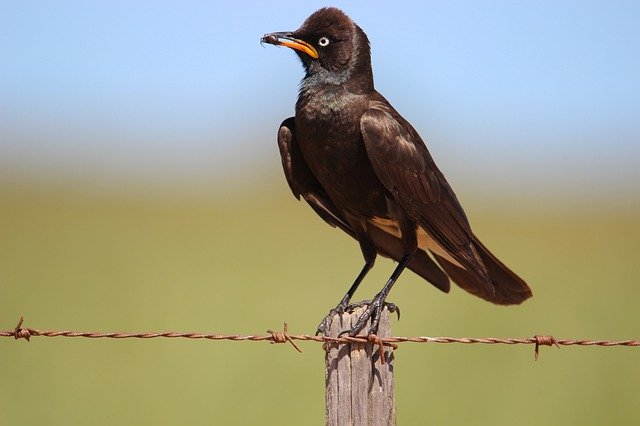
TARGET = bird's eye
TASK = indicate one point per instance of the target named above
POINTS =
(324, 41)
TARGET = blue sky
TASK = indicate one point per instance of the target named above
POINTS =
(504, 92)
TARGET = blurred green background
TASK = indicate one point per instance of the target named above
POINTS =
(243, 262)
(141, 190)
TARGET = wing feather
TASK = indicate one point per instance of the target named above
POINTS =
(403, 164)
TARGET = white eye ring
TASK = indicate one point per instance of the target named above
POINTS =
(323, 42)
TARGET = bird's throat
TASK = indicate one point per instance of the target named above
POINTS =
(319, 77)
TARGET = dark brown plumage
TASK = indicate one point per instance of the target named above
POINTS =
(364, 169)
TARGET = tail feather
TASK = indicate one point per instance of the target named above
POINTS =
(509, 288)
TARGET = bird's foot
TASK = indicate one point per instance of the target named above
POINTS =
(325, 324)
(373, 310)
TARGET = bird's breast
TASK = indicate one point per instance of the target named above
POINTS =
(329, 135)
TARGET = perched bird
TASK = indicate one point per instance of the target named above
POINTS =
(364, 169)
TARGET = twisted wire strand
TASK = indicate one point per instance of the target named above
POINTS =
(283, 337)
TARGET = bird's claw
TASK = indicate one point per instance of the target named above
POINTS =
(325, 324)
(393, 308)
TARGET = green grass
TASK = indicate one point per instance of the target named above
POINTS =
(72, 259)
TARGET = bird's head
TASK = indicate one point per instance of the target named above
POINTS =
(331, 47)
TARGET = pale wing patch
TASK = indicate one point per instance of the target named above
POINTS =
(390, 226)
(425, 242)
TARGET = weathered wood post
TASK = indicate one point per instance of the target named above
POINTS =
(359, 388)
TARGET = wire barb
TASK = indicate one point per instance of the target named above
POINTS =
(283, 337)
(21, 333)
(543, 340)
(377, 341)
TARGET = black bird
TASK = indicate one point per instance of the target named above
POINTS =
(364, 169)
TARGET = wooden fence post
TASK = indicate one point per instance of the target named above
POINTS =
(359, 388)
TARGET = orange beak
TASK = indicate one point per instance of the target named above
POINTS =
(285, 39)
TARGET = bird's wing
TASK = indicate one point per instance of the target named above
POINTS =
(303, 183)
(405, 167)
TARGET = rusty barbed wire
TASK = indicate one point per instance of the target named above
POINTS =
(283, 337)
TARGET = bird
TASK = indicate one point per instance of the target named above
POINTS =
(364, 169)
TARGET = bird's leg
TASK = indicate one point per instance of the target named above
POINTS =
(376, 306)
(369, 253)
(323, 328)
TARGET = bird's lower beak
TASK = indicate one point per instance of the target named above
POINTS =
(285, 39)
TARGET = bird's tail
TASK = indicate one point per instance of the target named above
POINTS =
(509, 289)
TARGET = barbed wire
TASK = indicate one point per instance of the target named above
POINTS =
(19, 332)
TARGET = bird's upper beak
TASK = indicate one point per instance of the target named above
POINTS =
(286, 39)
